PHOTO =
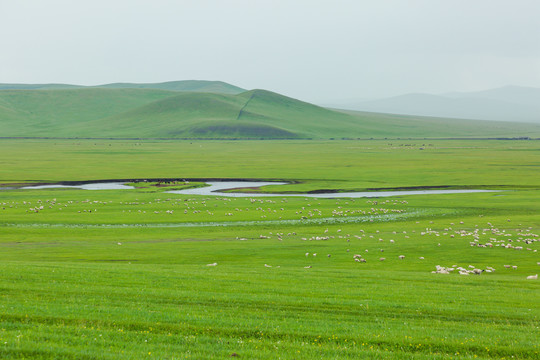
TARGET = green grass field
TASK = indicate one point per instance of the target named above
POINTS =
(123, 274)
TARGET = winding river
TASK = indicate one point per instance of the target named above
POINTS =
(215, 188)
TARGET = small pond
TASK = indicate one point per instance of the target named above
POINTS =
(89, 186)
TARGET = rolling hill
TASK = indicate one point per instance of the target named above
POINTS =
(252, 114)
(183, 85)
(118, 111)
(219, 87)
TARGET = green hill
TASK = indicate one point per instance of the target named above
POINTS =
(38, 86)
(183, 85)
(118, 112)
(57, 113)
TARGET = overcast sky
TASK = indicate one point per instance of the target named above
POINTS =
(313, 50)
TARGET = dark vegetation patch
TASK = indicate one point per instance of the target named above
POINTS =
(243, 130)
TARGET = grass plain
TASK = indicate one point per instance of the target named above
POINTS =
(124, 275)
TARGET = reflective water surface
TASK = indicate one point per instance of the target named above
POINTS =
(91, 186)
(215, 188)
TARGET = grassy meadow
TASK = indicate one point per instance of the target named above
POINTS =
(145, 274)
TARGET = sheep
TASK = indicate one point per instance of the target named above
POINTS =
(213, 264)
(382, 259)
(266, 265)
(401, 257)
(532, 277)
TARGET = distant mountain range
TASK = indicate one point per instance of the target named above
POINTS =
(211, 110)
(510, 103)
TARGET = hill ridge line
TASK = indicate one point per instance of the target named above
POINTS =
(243, 107)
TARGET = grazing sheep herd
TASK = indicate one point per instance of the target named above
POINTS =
(502, 238)
(485, 237)
(461, 270)
(497, 238)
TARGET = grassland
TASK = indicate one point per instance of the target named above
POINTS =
(333, 165)
(124, 275)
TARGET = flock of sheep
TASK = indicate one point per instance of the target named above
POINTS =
(497, 238)
(477, 236)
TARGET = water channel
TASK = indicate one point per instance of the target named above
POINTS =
(215, 188)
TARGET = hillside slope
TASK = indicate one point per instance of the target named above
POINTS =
(252, 114)
(57, 113)
(182, 85)
(255, 114)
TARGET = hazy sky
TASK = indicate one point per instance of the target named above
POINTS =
(312, 50)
